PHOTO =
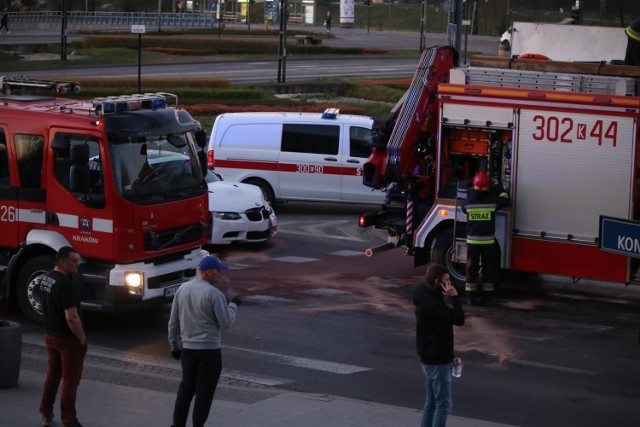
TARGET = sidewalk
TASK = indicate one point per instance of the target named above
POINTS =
(107, 405)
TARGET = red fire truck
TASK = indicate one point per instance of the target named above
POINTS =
(119, 178)
(560, 138)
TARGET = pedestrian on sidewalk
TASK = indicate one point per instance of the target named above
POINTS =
(434, 341)
(64, 337)
(198, 314)
(4, 21)
(327, 21)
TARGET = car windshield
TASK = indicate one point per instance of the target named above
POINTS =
(212, 177)
(165, 166)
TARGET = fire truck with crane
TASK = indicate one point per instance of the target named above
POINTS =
(561, 138)
(119, 178)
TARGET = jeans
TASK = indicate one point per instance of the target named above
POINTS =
(437, 404)
(66, 359)
(200, 374)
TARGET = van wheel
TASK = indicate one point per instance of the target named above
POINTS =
(267, 191)
(506, 45)
(28, 288)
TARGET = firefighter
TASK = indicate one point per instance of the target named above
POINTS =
(480, 205)
(632, 56)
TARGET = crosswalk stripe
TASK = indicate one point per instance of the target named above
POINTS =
(303, 362)
(294, 259)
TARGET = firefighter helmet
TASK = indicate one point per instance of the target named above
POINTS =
(481, 181)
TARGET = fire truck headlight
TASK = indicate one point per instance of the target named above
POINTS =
(134, 281)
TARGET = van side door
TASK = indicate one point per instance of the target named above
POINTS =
(356, 148)
(309, 164)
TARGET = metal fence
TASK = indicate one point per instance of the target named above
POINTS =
(110, 21)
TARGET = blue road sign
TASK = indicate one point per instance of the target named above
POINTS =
(620, 236)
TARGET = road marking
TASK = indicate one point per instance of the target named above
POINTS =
(549, 366)
(142, 360)
(255, 379)
(347, 252)
(303, 362)
(316, 229)
(294, 259)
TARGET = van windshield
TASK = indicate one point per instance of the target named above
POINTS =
(156, 166)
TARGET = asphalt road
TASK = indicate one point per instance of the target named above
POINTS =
(320, 317)
(297, 68)
(245, 71)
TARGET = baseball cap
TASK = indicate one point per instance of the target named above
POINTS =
(211, 263)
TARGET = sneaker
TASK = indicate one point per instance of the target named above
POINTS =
(47, 420)
(73, 423)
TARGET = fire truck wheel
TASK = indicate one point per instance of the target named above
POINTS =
(442, 253)
(29, 286)
(265, 187)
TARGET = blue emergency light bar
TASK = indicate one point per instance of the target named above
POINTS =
(123, 103)
(331, 113)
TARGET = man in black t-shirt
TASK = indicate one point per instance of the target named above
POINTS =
(64, 336)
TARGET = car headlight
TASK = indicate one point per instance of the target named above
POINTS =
(227, 215)
(134, 281)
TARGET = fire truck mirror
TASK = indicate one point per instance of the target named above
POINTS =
(79, 171)
(201, 138)
(177, 140)
(79, 153)
(202, 159)
(79, 178)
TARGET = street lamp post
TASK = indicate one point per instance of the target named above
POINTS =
(63, 32)
(423, 24)
(282, 43)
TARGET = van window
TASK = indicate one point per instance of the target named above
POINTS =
(313, 139)
(29, 151)
(359, 142)
(251, 136)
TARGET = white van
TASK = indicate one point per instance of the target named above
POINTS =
(295, 156)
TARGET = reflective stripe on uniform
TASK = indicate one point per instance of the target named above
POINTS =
(471, 287)
(633, 34)
(480, 240)
(487, 287)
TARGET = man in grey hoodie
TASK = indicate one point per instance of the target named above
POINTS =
(198, 314)
(434, 341)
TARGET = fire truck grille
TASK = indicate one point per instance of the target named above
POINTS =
(158, 240)
(257, 214)
(165, 280)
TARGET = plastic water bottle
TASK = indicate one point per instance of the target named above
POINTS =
(456, 371)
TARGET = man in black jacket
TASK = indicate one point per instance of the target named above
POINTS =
(434, 341)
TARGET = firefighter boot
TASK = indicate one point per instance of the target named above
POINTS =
(471, 290)
(487, 293)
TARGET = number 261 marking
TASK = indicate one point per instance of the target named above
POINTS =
(8, 214)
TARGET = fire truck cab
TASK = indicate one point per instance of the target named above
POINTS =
(77, 173)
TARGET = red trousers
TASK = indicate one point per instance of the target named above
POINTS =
(66, 359)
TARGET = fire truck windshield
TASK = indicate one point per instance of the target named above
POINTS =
(154, 167)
